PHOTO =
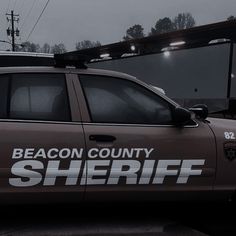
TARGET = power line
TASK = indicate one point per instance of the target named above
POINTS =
(21, 6)
(8, 6)
(14, 5)
(32, 6)
(38, 19)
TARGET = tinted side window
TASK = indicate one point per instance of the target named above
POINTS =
(113, 100)
(39, 97)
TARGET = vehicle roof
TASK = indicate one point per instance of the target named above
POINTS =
(26, 54)
(51, 69)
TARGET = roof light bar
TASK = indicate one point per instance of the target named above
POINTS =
(68, 59)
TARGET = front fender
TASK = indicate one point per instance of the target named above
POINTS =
(225, 139)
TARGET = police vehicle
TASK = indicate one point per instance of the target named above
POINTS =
(70, 133)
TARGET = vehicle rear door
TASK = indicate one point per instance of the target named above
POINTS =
(134, 150)
(41, 138)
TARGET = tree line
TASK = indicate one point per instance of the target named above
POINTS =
(163, 25)
(56, 48)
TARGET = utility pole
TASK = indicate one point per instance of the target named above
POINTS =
(12, 32)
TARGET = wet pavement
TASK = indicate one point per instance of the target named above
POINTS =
(118, 219)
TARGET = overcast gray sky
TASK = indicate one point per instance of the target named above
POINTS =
(69, 21)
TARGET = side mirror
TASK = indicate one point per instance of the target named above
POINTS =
(201, 111)
(181, 116)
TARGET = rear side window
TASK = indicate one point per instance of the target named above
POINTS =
(37, 97)
(113, 100)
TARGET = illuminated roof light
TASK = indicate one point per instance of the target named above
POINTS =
(166, 53)
(179, 43)
(133, 48)
(104, 55)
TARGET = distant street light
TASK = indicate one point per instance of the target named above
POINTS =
(133, 48)
(104, 55)
(179, 43)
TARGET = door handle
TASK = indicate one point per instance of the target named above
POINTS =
(102, 138)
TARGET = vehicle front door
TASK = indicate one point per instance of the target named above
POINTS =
(134, 150)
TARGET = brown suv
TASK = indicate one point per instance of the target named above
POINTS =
(77, 134)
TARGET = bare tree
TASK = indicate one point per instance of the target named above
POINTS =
(87, 44)
(30, 47)
(58, 48)
(183, 21)
(46, 48)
